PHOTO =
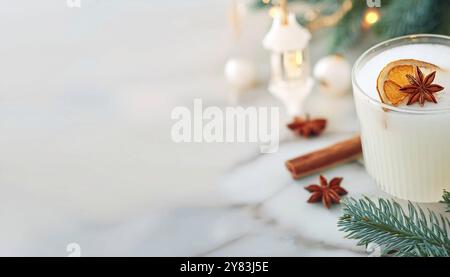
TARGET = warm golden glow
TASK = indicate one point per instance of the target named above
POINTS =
(371, 17)
(274, 11)
(293, 64)
(299, 58)
(266, 1)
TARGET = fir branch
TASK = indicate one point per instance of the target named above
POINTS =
(348, 32)
(404, 17)
(388, 225)
(399, 17)
(446, 199)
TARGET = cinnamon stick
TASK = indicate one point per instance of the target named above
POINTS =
(325, 158)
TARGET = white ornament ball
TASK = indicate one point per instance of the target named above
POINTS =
(240, 73)
(333, 75)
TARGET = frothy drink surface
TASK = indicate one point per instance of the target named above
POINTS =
(431, 53)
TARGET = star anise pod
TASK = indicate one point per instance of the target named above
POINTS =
(307, 127)
(329, 193)
(421, 89)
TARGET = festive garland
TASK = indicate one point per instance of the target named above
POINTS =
(351, 20)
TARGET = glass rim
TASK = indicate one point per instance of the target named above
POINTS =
(382, 45)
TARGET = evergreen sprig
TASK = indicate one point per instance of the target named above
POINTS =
(446, 199)
(398, 18)
(387, 224)
(403, 17)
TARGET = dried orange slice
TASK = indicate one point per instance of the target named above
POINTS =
(393, 93)
(393, 77)
(398, 74)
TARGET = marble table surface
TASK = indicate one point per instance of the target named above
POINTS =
(85, 150)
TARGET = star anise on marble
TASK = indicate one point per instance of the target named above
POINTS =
(307, 127)
(421, 89)
(328, 193)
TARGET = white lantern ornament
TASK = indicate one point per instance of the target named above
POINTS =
(291, 78)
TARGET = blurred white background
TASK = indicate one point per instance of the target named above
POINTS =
(85, 101)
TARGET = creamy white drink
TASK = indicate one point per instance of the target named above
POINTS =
(406, 147)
